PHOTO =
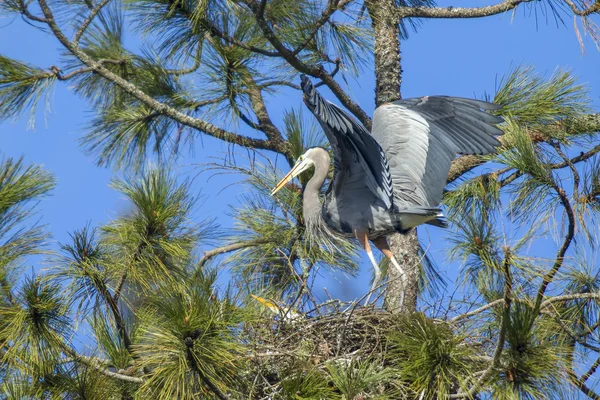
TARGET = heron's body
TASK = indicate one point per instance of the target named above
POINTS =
(392, 179)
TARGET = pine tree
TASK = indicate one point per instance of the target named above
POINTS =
(159, 325)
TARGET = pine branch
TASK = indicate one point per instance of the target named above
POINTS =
(571, 126)
(316, 71)
(332, 7)
(160, 107)
(507, 300)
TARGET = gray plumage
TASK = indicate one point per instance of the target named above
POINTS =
(392, 179)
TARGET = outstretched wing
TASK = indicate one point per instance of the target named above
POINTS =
(351, 144)
(422, 136)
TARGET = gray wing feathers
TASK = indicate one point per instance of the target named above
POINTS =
(351, 142)
(422, 136)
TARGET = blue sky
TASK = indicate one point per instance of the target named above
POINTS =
(451, 57)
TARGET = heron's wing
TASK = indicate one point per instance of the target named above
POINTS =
(351, 143)
(422, 136)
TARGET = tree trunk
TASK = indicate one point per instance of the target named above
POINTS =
(406, 250)
(388, 77)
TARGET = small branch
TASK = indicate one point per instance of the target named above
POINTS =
(261, 8)
(279, 83)
(457, 12)
(193, 68)
(563, 248)
(226, 249)
(576, 178)
(199, 104)
(259, 108)
(501, 335)
(332, 7)
(93, 363)
(316, 71)
(476, 311)
(85, 24)
(566, 297)
(338, 63)
(594, 8)
(544, 304)
(216, 32)
(590, 371)
(25, 11)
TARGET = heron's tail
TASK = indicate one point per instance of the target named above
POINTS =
(412, 217)
(440, 221)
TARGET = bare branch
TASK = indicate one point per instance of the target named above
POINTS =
(279, 83)
(226, 249)
(594, 8)
(458, 12)
(565, 297)
(477, 311)
(543, 306)
(93, 363)
(563, 248)
(590, 371)
(576, 178)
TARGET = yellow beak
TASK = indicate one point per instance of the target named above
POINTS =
(301, 166)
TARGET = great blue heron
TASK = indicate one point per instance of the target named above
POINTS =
(392, 179)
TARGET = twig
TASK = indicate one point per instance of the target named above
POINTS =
(476, 311)
(226, 249)
(594, 8)
(563, 248)
(590, 371)
(90, 362)
(88, 21)
(576, 178)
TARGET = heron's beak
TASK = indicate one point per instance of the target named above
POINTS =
(299, 167)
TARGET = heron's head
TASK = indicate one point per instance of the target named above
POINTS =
(304, 162)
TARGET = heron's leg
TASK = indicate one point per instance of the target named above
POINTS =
(363, 239)
(382, 244)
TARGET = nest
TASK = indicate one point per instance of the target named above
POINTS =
(278, 346)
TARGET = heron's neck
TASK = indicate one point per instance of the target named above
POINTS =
(311, 203)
